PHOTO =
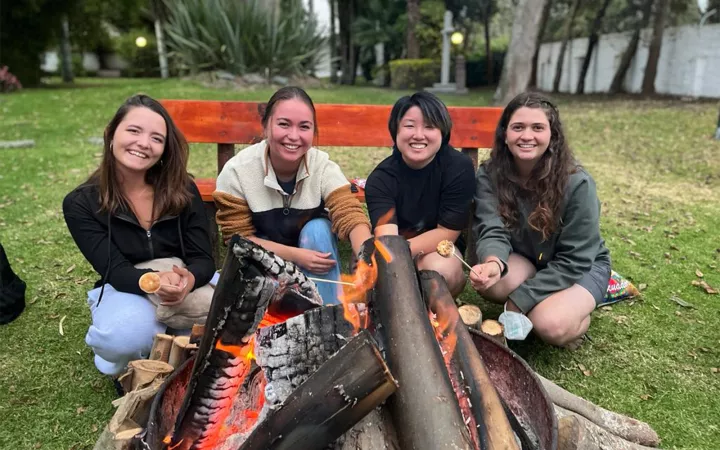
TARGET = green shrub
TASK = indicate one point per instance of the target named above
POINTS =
(142, 61)
(413, 73)
(244, 36)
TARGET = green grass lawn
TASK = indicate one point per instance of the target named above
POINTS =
(657, 172)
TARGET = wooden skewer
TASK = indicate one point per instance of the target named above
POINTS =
(466, 264)
(320, 280)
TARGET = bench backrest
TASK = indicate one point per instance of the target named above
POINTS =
(230, 122)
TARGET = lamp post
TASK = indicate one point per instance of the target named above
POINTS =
(457, 39)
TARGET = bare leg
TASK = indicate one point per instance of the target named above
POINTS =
(450, 268)
(564, 316)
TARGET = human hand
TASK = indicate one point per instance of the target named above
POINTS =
(313, 261)
(175, 286)
(484, 276)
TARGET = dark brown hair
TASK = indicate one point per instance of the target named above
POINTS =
(168, 176)
(289, 93)
(545, 188)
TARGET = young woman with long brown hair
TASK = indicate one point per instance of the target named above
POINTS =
(140, 212)
(537, 221)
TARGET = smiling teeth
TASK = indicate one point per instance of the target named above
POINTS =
(292, 147)
(138, 154)
(418, 145)
(526, 145)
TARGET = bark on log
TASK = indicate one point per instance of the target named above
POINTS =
(471, 316)
(492, 423)
(625, 427)
(342, 391)
(162, 343)
(424, 410)
(292, 351)
(578, 433)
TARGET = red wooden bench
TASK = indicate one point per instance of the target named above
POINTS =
(227, 123)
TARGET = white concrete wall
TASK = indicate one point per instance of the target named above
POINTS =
(689, 62)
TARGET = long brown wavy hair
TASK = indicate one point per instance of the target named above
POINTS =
(168, 176)
(545, 188)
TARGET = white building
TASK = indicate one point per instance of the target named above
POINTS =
(689, 62)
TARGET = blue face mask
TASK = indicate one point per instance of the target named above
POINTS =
(517, 326)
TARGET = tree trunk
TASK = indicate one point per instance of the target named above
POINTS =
(523, 42)
(563, 47)
(346, 14)
(333, 44)
(162, 51)
(619, 78)
(413, 18)
(717, 130)
(648, 84)
(543, 24)
(488, 47)
(66, 52)
(592, 42)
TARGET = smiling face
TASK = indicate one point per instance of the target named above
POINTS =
(527, 136)
(139, 140)
(417, 140)
(290, 132)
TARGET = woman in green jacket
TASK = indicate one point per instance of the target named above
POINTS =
(537, 221)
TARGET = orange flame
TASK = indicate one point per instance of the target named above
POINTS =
(383, 250)
(444, 321)
(354, 298)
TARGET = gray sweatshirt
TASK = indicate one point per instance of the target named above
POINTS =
(563, 259)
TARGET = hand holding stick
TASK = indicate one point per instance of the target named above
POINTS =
(446, 249)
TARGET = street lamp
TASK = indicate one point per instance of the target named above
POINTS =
(457, 38)
(140, 41)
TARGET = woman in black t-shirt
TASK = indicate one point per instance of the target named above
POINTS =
(424, 189)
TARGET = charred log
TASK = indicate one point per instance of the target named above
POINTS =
(424, 409)
(252, 281)
(342, 391)
(494, 430)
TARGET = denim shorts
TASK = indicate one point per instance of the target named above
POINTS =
(596, 281)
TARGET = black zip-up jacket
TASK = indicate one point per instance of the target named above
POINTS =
(122, 242)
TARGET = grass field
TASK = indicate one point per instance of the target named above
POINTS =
(657, 173)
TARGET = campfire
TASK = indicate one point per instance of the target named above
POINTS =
(393, 367)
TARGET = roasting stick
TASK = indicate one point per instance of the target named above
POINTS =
(344, 283)
(446, 249)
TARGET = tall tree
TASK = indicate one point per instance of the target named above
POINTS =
(66, 51)
(648, 84)
(158, 11)
(413, 18)
(567, 34)
(348, 47)
(487, 20)
(523, 41)
(592, 43)
(617, 82)
(543, 24)
(333, 44)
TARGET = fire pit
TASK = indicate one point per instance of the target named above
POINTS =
(275, 370)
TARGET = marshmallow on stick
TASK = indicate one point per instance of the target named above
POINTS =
(446, 249)
(150, 282)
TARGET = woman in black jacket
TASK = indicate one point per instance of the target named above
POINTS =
(140, 212)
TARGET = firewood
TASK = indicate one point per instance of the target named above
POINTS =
(494, 329)
(424, 410)
(491, 420)
(343, 390)
(471, 316)
(128, 434)
(145, 371)
(197, 333)
(625, 427)
(181, 348)
(578, 433)
(161, 347)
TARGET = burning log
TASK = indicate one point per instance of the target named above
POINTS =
(424, 410)
(625, 427)
(578, 433)
(493, 427)
(342, 391)
(252, 282)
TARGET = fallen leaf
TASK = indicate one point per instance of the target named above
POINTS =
(681, 302)
(70, 269)
(94, 428)
(714, 370)
(645, 397)
(695, 283)
(620, 319)
(655, 307)
(62, 333)
(642, 287)
(634, 254)
(674, 247)
(584, 370)
(698, 273)
(678, 313)
(81, 409)
(667, 255)
(606, 308)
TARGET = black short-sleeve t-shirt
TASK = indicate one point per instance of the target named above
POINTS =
(438, 194)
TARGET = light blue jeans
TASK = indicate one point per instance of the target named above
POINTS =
(123, 328)
(317, 235)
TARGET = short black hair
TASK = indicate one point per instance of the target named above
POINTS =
(433, 110)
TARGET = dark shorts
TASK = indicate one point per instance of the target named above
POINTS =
(596, 281)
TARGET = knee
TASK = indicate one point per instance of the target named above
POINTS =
(556, 331)
(123, 333)
(315, 230)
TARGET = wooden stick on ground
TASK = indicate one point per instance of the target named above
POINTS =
(471, 316)
(577, 433)
(161, 347)
(625, 427)
(495, 330)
